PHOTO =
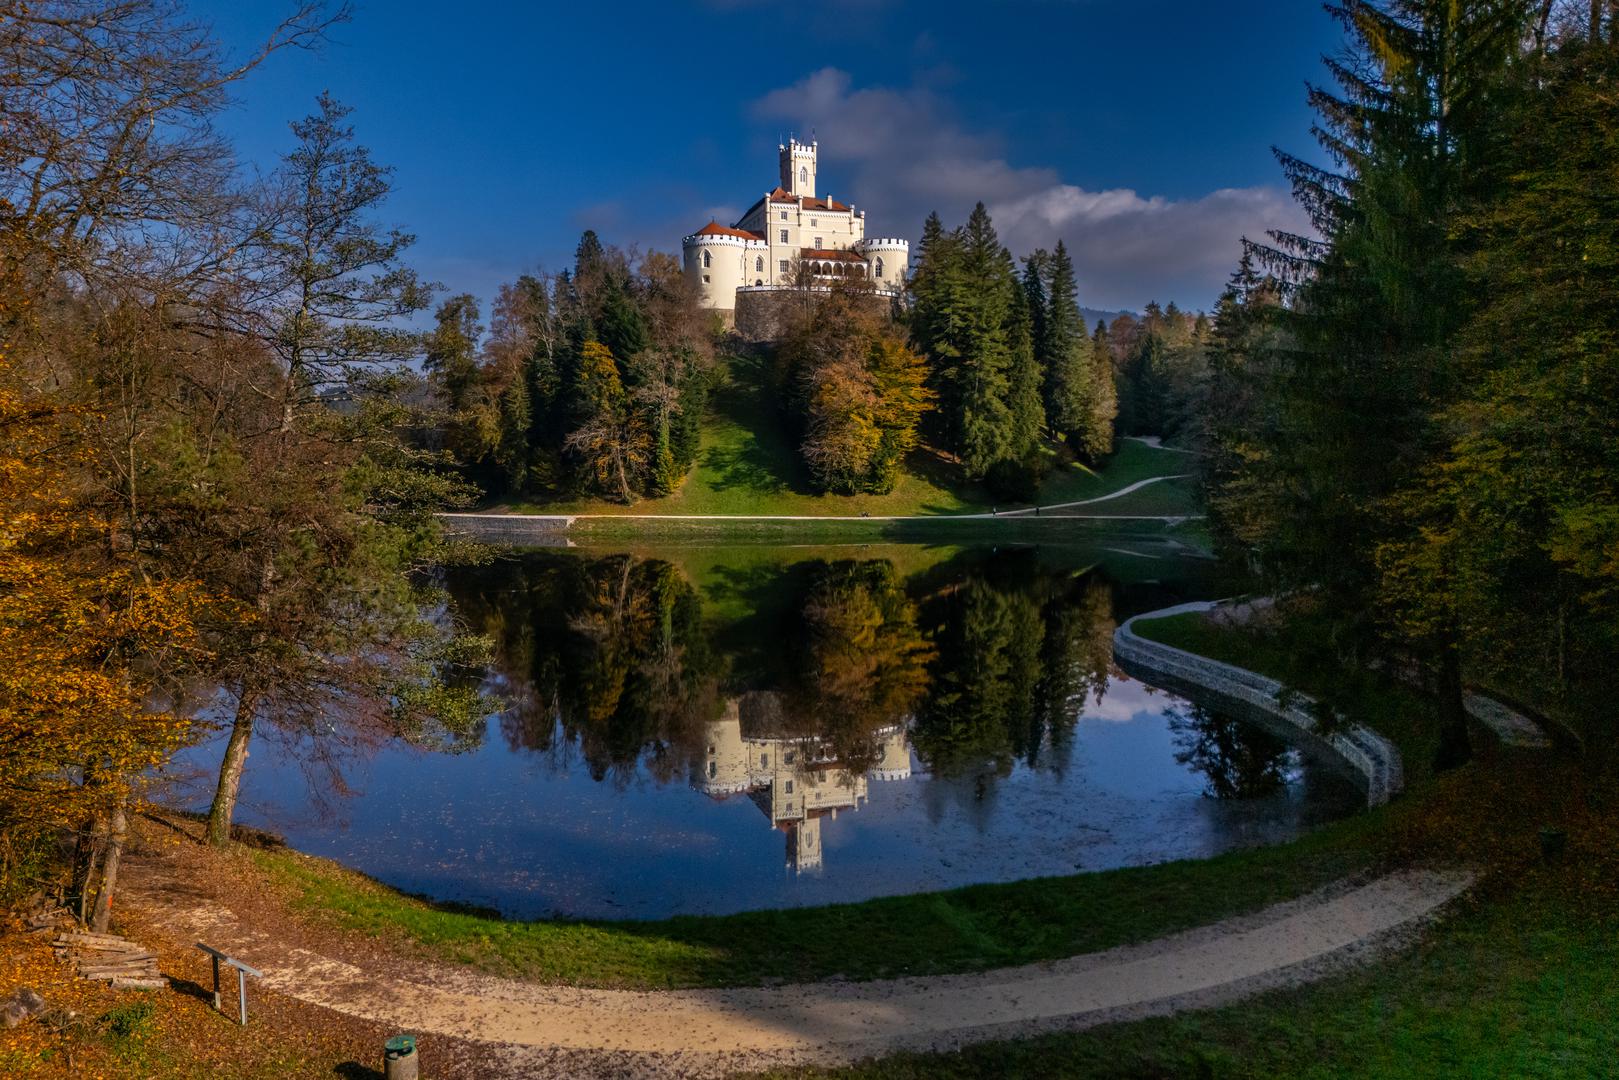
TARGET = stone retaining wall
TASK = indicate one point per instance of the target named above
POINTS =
(761, 315)
(524, 530)
(1263, 700)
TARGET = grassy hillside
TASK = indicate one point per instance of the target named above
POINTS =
(748, 465)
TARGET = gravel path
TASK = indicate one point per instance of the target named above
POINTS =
(546, 1030)
(1011, 512)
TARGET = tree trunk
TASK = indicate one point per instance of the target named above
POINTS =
(117, 831)
(230, 771)
(1455, 748)
(84, 870)
(1596, 21)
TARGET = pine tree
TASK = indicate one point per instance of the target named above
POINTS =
(1023, 385)
(619, 324)
(451, 356)
(1378, 302)
(1066, 355)
(976, 312)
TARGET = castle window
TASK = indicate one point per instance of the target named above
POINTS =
(789, 787)
(764, 761)
(705, 279)
(713, 769)
(784, 215)
(819, 244)
(784, 236)
(814, 224)
(759, 281)
(788, 757)
(879, 266)
(783, 265)
(758, 264)
(803, 175)
(708, 260)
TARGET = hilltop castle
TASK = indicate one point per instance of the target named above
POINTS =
(790, 235)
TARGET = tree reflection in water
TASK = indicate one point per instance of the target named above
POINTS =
(679, 724)
(1239, 761)
(836, 671)
(614, 661)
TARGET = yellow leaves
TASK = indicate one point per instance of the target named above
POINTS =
(84, 638)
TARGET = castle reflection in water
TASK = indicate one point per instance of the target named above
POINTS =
(795, 780)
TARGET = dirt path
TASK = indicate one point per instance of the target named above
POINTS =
(566, 1031)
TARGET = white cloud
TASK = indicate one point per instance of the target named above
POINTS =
(903, 153)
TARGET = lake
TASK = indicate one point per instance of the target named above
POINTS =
(702, 730)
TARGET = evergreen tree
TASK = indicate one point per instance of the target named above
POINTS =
(1367, 369)
(620, 325)
(976, 311)
(451, 356)
(1065, 355)
(1023, 377)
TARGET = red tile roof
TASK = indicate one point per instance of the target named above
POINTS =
(714, 228)
(808, 202)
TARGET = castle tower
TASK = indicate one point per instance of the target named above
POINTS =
(718, 260)
(889, 259)
(798, 167)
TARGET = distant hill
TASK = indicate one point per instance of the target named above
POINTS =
(1091, 314)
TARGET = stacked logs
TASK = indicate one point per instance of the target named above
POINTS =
(108, 957)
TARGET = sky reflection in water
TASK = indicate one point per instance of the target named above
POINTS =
(713, 732)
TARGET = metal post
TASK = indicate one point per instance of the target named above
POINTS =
(242, 972)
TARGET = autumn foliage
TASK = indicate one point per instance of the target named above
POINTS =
(855, 390)
(84, 640)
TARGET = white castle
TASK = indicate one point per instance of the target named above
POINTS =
(789, 237)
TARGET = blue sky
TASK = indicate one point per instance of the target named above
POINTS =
(1139, 132)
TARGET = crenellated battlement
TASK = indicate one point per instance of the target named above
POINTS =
(709, 240)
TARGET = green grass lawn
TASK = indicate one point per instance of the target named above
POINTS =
(747, 465)
(970, 929)
(1510, 988)
(1519, 981)
(960, 930)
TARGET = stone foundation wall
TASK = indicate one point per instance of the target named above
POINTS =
(1262, 700)
(761, 315)
(518, 530)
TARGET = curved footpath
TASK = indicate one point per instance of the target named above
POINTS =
(546, 1030)
(486, 526)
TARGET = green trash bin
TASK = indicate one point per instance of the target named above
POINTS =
(399, 1061)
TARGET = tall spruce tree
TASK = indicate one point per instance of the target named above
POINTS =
(1367, 367)
(1065, 354)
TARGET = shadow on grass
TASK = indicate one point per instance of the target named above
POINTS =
(353, 1070)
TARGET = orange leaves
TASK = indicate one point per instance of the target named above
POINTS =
(84, 637)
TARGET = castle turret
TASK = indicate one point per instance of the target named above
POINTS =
(718, 260)
(889, 259)
(798, 167)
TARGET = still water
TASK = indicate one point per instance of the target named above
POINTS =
(700, 731)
